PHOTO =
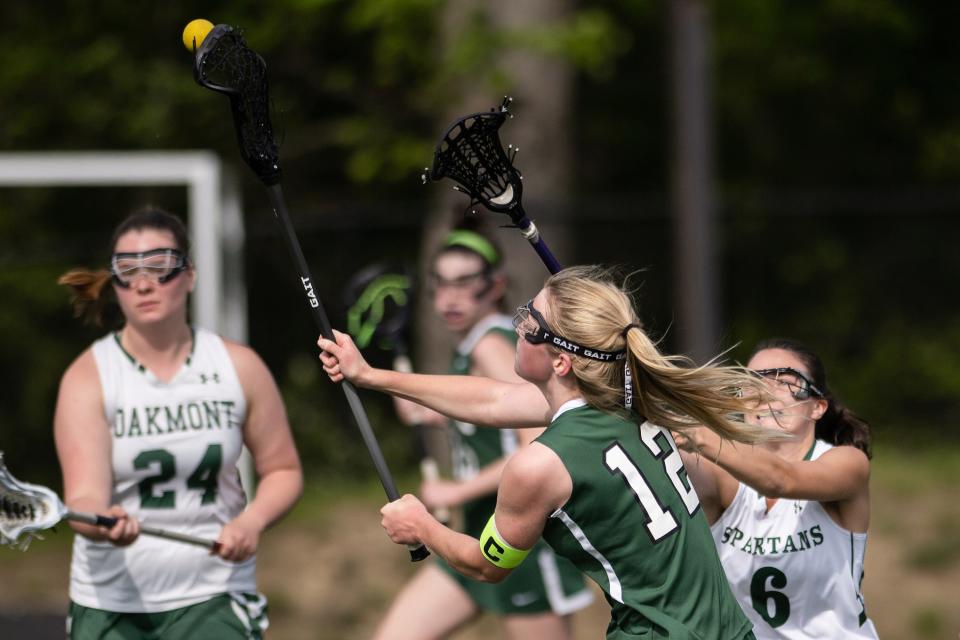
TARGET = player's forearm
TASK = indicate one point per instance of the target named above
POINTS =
(88, 504)
(277, 492)
(473, 399)
(462, 552)
(754, 466)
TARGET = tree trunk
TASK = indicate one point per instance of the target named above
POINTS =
(542, 90)
(696, 266)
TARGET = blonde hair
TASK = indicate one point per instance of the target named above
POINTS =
(588, 307)
(87, 293)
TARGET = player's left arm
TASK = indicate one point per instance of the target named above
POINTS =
(267, 435)
(840, 474)
(534, 484)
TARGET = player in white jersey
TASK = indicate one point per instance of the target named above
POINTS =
(149, 424)
(790, 518)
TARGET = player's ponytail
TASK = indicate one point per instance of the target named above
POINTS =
(587, 306)
(89, 294)
(838, 425)
(672, 391)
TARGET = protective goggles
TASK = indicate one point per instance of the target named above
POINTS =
(462, 283)
(530, 324)
(800, 386)
(158, 265)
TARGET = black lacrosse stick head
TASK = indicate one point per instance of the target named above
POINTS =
(225, 64)
(470, 153)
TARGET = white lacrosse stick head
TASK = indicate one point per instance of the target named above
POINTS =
(25, 509)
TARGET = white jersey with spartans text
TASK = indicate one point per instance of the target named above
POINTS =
(795, 571)
(175, 451)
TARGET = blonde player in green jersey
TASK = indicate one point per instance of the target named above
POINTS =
(467, 285)
(604, 484)
(149, 424)
(790, 518)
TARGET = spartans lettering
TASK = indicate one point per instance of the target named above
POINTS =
(772, 545)
(138, 422)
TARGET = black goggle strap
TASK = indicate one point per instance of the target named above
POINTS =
(181, 264)
(806, 384)
(627, 386)
(545, 335)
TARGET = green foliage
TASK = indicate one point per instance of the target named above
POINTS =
(357, 88)
(841, 284)
(809, 98)
(590, 41)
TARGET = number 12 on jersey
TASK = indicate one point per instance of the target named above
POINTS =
(662, 522)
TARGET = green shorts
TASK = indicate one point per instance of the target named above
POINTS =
(233, 616)
(543, 582)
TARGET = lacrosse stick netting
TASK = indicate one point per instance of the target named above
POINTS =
(471, 154)
(225, 64)
(27, 509)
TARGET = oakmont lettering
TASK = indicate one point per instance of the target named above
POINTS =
(139, 422)
(773, 545)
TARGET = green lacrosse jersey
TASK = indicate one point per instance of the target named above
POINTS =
(544, 582)
(633, 524)
(474, 447)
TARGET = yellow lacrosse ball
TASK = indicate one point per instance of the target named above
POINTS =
(195, 32)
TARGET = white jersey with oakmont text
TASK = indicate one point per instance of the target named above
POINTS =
(795, 571)
(175, 451)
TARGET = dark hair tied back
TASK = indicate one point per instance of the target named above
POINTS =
(90, 296)
(838, 425)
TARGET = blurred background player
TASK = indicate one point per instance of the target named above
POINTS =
(468, 286)
(149, 424)
(790, 517)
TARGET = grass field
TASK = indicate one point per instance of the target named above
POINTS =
(329, 571)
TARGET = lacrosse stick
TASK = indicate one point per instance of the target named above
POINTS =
(26, 509)
(379, 300)
(470, 153)
(224, 63)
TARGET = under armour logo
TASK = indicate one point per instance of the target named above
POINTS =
(204, 378)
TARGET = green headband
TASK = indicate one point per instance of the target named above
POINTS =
(475, 242)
